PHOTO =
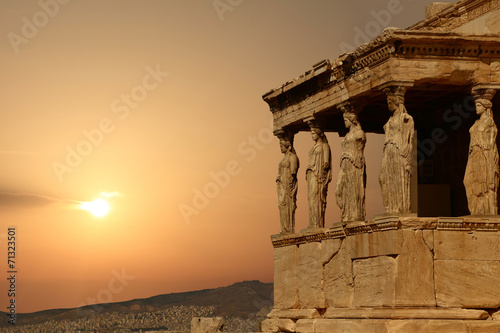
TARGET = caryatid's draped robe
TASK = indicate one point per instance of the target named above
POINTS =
(351, 183)
(481, 173)
(395, 172)
(318, 176)
(286, 183)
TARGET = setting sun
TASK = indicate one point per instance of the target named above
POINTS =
(98, 207)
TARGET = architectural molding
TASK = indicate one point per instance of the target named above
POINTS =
(394, 44)
(389, 223)
(457, 15)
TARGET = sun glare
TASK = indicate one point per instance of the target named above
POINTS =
(98, 207)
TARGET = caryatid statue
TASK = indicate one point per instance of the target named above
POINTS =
(396, 169)
(351, 182)
(318, 176)
(482, 173)
(286, 183)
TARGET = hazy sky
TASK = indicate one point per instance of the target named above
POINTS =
(158, 101)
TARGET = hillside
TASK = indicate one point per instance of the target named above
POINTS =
(246, 299)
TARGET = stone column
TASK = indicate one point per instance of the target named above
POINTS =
(398, 158)
(351, 182)
(318, 175)
(286, 182)
(482, 172)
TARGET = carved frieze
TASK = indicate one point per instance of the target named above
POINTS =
(389, 223)
(476, 224)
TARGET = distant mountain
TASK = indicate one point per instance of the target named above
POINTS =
(243, 299)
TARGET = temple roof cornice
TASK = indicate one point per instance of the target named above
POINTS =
(456, 15)
(393, 43)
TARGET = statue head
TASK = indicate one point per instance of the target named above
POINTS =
(483, 98)
(285, 145)
(396, 98)
(484, 106)
(394, 102)
(351, 118)
(286, 142)
(317, 133)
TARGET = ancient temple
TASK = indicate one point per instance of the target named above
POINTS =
(432, 262)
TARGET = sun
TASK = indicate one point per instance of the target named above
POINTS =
(98, 207)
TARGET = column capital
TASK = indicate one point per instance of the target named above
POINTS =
(349, 107)
(485, 90)
(278, 132)
(284, 134)
(396, 87)
(312, 122)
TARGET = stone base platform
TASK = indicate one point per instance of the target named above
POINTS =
(379, 326)
(391, 274)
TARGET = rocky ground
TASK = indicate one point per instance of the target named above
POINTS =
(175, 318)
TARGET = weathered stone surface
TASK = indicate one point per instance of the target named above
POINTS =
(418, 222)
(406, 313)
(418, 326)
(428, 238)
(395, 326)
(207, 325)
(435, 7)
(374, 281)
(278, 325)
(469, 223)
(467, 246)
(484, 327)
(415, 272)
(306, 325)
(496, 315)
(329, 248)
(376, 244)
(285, 277)
(338, 278)
(488, 23)
(310, 276)
(294, 313)
(350, 326)
(468, 284)
(326, 269)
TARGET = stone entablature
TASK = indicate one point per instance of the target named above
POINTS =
(396, 55)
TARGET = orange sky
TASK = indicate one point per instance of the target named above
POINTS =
(157, 97)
